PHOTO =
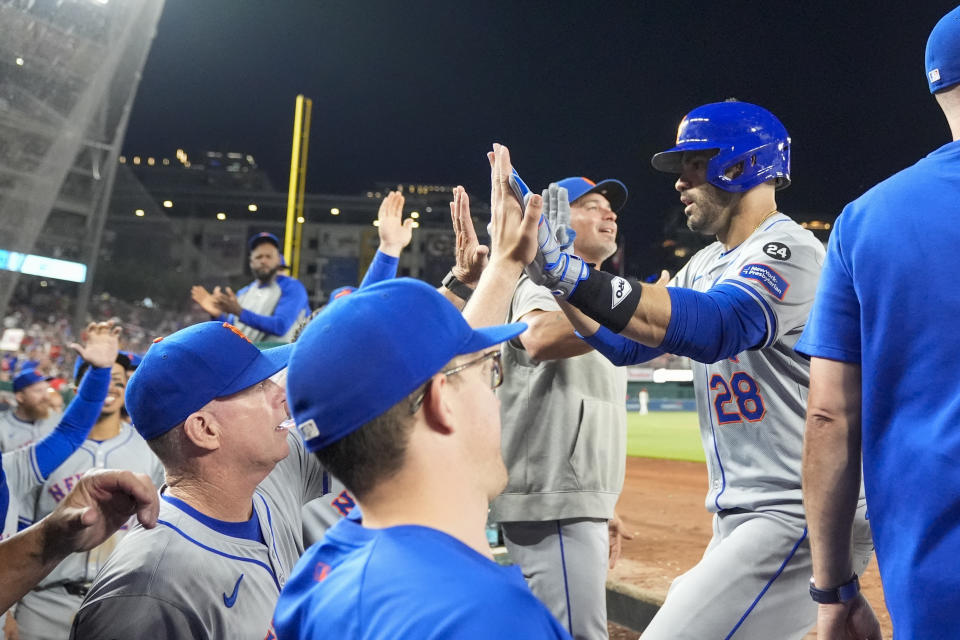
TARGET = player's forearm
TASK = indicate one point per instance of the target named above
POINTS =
(831, 468)
(551, 336)
(26, 558)
(491, 299)
(650, 319)
(454, 299)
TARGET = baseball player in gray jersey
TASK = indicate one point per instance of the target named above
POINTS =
(737, 308)
(24, 470)
(46, 613)
(230, 529)
(32, 418)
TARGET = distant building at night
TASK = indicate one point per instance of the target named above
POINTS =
(187, 218)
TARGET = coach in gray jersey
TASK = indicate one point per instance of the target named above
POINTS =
(230, 529)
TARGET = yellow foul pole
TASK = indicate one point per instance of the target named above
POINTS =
(304, 145)
(298, 156)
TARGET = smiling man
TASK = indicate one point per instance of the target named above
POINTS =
(230, 528)
(48, 610)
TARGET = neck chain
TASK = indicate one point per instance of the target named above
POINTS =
(762, 220)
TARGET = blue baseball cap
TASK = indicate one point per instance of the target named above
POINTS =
(369, 350)
(263, 236)
(27, 378)
(942, 60)
(613, 190)
(184, 371)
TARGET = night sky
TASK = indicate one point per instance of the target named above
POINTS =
(417, 91)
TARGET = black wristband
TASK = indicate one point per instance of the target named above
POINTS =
(608, 299)
(844, 593)
(456, 287)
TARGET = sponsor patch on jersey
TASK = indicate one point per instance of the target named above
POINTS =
(309, 430)
(777, 250)
(770, 279)
(621, 289)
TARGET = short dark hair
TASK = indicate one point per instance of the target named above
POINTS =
(121, 360)
(375, 452)
(169, 446)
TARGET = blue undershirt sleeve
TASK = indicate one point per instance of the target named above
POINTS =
(620, 350)
(293, 299)
(382, 267)
(713, 325)
(76, 423)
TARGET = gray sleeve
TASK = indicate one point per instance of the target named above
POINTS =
(23, 476)
(135, 618)
(302, 471)
(531, 297)
(781, 274)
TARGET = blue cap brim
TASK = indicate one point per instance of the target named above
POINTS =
(491, 336)
(671, 160)
(269, 362)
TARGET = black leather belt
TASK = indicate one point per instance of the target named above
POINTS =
(80, 589)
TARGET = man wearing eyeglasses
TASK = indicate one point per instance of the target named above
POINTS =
(403, 413)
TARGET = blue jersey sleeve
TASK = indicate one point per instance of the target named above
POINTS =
(293, 299)
(76, 423)
(383, 267)
(833, 329)
(620, 350)
(713, 325)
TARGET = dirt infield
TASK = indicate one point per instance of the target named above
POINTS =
(662, 506)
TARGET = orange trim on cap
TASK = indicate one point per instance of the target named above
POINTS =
(592, 183)
(236, 331)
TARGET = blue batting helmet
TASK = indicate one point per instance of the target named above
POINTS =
(740, 132)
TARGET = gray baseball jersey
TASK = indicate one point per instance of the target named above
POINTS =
(15, 432)
(752, 407)
(47, 611)
(191, 577)
(752, 410)
(322, 513)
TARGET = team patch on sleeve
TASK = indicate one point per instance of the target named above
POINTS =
(770, 279)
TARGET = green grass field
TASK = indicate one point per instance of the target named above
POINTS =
(673, 435)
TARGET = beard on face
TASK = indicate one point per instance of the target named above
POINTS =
(711, 203)
(265, 274)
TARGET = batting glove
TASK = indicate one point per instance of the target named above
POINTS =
(555, 266)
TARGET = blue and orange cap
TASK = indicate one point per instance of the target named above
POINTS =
(613, 190)
(184, 371)
(260, 238)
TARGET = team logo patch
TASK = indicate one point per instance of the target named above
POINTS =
(321, 571)
(770, 279)
(621, 289)
(309, 430)
(777, 250)
(934, 75)
(232, 328)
